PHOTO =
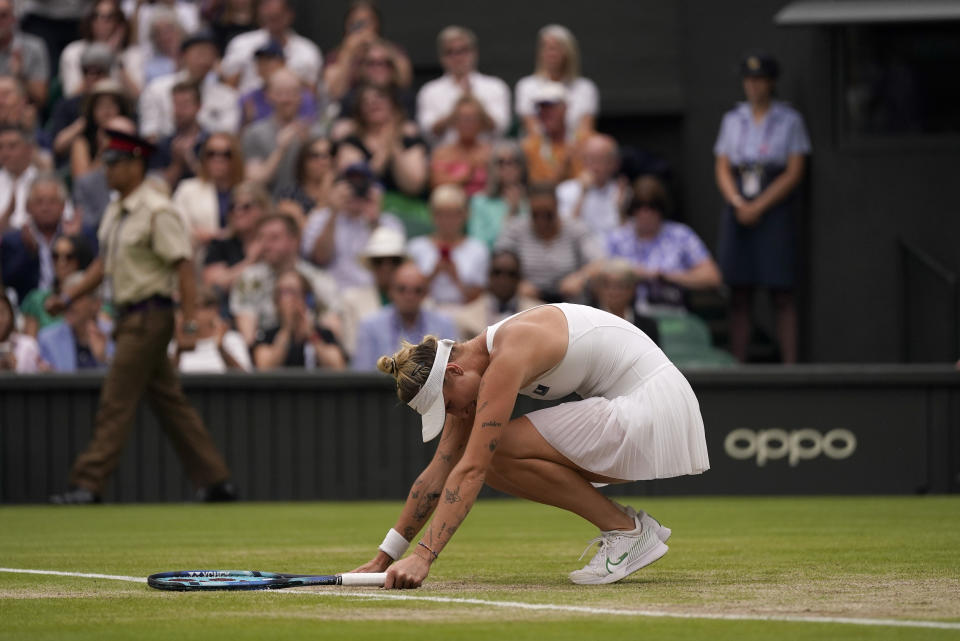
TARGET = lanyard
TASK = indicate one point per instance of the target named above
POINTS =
(765, 135)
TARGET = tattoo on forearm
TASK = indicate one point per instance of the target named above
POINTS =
(446, 458)
(493, 444)
(452, 496)
(409, 532)
(425, 506)
(483, 407)
(491, 424)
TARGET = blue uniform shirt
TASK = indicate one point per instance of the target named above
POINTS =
(778, 136)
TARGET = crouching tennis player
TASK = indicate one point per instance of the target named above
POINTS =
(638, 419)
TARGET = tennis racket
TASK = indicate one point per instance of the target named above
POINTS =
(187, 580)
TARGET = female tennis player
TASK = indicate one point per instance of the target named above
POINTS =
(638, 419)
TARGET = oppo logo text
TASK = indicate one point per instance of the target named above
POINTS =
(795, 446)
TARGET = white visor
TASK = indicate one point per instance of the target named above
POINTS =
(429, 400)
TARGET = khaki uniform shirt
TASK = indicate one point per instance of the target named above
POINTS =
(142, 238)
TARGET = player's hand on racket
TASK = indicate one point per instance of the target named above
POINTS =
(378, 563)
(407, 573)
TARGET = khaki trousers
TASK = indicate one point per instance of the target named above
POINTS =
(141, 365)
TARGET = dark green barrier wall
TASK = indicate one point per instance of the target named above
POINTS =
(294, 436)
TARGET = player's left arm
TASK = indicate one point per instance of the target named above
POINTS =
(495, 400)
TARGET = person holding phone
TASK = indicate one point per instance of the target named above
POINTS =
(455, 264)
(335, 236)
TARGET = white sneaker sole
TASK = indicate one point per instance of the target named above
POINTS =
(650, 557)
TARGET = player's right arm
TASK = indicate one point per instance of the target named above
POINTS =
(426, 490)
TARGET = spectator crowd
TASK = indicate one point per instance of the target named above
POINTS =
(333, 209)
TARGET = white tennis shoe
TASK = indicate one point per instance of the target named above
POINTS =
(621, 553)
(663, 532)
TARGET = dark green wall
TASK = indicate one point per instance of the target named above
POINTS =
(297, 436)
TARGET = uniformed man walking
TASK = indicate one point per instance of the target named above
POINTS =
(144, 250)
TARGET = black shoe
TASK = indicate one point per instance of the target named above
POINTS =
(75, 496)
(222, 492)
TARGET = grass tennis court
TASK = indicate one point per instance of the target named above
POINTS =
(860, 558)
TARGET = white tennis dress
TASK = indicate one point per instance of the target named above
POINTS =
(638, 419)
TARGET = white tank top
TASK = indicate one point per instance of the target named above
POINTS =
(606, 356)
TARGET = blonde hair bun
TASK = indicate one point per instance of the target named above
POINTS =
(387, 365)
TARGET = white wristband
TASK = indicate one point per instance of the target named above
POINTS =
(394, 545)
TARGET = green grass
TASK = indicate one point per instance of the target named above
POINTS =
(839, 557)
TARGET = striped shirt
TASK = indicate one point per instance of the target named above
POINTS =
(545, 263)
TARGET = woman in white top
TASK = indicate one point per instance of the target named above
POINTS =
(204, 201)
(104, 23)
(558, 60)
(638, 419)
(455, 263)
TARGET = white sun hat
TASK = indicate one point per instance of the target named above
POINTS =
(429, 400)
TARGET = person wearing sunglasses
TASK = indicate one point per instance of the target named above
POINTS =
(505, 196)
(382, 65)
(315, 175)
(502, 297)
(404, 319)
(70, 254)
(204, 200)
(557, 255)
(363, 56)
(457, 48)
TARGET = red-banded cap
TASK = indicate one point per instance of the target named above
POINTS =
(130, 144)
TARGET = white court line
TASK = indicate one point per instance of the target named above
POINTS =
(520, 605)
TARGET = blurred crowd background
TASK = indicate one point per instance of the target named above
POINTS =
(338, 201)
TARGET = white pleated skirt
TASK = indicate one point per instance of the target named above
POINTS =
(654, 432)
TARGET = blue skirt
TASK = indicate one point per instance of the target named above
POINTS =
(764, 255)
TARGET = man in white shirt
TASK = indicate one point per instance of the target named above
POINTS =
(595, 196)
(16, 175)
(220, 108)
(275, 18)
(457, 48)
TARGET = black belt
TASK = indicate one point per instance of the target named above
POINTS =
(153, 302)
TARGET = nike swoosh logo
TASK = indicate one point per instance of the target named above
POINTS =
(619, 561)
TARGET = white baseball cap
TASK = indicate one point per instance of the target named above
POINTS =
(550, 92)
(429, 400)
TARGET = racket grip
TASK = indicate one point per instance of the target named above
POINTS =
(375, 579)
